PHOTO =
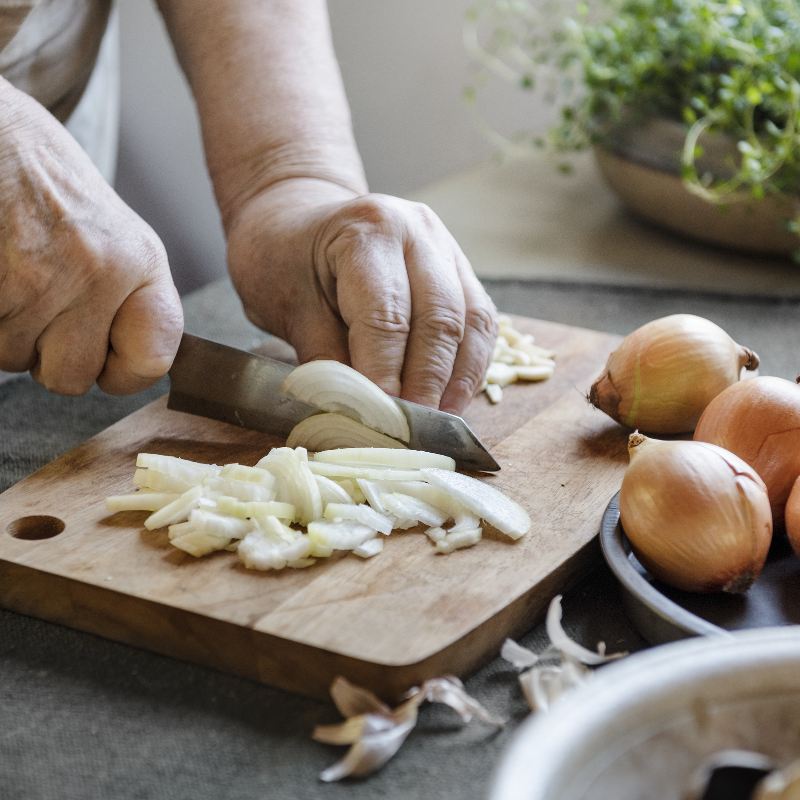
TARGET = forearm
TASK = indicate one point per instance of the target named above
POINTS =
(269, 94)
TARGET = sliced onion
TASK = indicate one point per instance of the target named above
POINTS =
(190, 472)
(259, 550)
(404, 506)
(567, 646)
(457, 540)
(360, 513)
(140, 501)
(380, 457)
(329, 429)
(256, 509)
(331, 386)
(370, 548)
(344, 535)
(500, 511)
(332, 492)
(374, 473)
(296, 481)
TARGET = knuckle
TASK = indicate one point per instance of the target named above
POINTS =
(387, 319)
(483, 321)
(427, 215)
(442, 324)
(372, 212)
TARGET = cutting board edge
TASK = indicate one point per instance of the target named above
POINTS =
(264, 657)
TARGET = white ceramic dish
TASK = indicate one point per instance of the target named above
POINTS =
(643, 724)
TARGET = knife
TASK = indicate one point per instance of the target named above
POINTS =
(221, 382)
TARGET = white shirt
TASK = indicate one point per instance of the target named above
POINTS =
(65, 54)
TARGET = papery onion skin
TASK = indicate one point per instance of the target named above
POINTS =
(697, 517)
(664, 374)
(792, 517)
(759, 421)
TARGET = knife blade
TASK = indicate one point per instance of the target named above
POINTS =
(221, 382)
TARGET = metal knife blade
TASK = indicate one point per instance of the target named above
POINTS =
(221, 382)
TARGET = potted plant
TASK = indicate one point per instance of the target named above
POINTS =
(692, 106)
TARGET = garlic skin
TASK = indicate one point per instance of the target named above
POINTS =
(664, 374)
(697, 516)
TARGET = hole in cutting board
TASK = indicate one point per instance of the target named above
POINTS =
(36, 527)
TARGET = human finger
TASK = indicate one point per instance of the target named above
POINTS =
(143, 338)
(437, 321)
(375, 303)
(477, 346)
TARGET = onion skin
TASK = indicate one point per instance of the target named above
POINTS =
(697, 517)
(792, 517)
(759, 421)
(664, 374)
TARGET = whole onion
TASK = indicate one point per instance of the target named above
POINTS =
(697, 516)
(666, 372)
(759, 420)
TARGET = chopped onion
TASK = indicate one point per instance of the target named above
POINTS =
(329, 429)
(456, 540)
(344, 535)
(370, 548)
(259, 550)
(240, 472)
(246, 509)
(501, 512)
(247, 491)
(140, 501)
(370, 473)
(359, 513)
(332, 492)
(404, 506)
(382, 457)
(154, 481)
(296, 481)
(256, 509)
(331, 386)
(178, 510)
(190, 472)
(436, 534)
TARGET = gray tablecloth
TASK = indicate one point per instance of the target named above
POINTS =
(82, 718)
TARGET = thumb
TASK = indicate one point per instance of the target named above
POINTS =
(144, 338)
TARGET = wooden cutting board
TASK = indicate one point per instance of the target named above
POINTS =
(387, 622)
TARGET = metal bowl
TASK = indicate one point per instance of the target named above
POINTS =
(642, 726)
(662, 614)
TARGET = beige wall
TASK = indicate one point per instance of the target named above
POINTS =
(404, 69)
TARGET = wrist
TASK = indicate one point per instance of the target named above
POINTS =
(306, 177)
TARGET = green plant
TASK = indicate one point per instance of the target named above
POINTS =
(730, 67)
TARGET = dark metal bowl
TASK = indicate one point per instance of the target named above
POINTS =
(663, 614)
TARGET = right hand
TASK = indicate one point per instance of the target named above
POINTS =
(86, 293)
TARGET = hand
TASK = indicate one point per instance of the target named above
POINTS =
(85, 289)
(373, 281)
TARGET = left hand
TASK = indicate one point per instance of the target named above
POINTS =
(373, 281)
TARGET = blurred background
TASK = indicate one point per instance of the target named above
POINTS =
(404, 69)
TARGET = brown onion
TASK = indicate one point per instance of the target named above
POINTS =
(665, 373)
(759, 420)
(697, 516)
(792, 517)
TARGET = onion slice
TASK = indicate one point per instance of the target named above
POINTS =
(331, 386)
(329, 429)
(500, 511)
(382, 457)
